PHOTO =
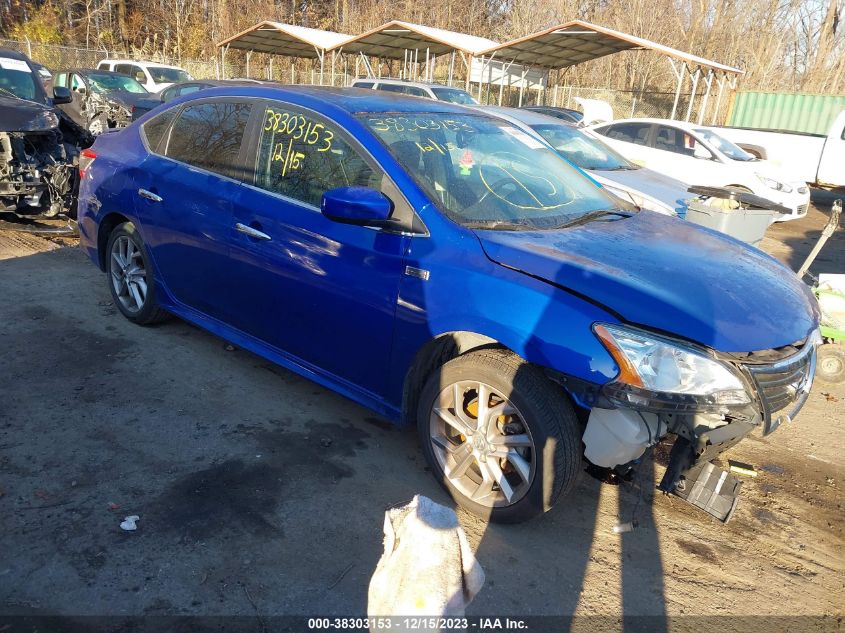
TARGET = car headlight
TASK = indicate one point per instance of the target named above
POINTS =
(771, 183)
(659, 374)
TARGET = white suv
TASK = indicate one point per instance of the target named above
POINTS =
(437, 92)
(151, 75)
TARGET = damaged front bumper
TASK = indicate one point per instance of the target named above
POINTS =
(624, 424)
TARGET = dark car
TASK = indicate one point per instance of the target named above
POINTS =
(436, 264)
(565, 114)
(102, 100)
(155, 99)
(39, 144)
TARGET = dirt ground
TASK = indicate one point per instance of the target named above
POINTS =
(261, 493)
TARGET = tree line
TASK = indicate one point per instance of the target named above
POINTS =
(791, 45)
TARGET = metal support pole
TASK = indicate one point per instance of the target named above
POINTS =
(709, 83)
(270, 70)
(248, 55)
(522, 84)
(427, 69)
(718, 99)
(451, 67)
(322, 56)
(334, 56)
(223, 61)
(692, 92)
(481, 79)
(679, 75)
(468, 66)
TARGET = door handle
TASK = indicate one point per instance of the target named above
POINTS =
(149, 195)
(251, 232)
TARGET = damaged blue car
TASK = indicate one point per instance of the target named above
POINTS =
(449, 271)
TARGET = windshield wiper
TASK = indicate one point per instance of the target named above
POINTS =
(496, 225)
(595, 215)
(9, 92)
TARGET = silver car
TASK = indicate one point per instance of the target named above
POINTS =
(646, 188)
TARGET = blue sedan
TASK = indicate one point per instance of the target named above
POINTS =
(448, 270)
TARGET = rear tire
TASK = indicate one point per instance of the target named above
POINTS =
(516, 461)
(830, 363)
(130, 277)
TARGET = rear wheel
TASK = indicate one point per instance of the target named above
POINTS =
(130, 277)
(830, 363)
(499, 435)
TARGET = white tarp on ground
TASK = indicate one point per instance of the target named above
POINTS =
(427, 568)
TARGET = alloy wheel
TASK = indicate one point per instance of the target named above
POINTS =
(129, 277)
(482, 444)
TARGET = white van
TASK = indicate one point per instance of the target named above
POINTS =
(151, 75)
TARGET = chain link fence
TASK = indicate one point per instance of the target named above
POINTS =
(625, 103)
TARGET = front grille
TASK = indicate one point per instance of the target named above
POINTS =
(802, 209)
(784, 383)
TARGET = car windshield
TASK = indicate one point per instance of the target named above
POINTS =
(103, 82)
(725, 146)
(454, 95)
(582, 149)
(16, 79)
(163, 75)
(485, 173)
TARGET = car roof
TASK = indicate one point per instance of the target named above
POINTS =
(529, 117)
(137, 61)
(404, 82)
(684, 125)
(85, 71)
(341, 100)
(12, 54)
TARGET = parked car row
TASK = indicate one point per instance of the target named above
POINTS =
(452, 268)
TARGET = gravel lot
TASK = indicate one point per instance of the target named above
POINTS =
(261, 493)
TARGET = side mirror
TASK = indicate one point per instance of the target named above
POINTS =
(701, 152)
(61, 95)
(357, 205)
(140, 77)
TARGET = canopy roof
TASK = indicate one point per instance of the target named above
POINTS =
(285, 39)
(576, 42)
(394, 38)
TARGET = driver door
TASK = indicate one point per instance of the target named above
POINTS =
(321, 291)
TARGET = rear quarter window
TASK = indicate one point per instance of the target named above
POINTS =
(154, 130)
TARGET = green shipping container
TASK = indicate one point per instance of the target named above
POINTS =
(788, 111)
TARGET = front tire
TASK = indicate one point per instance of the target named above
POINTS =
(130, 276)
(499, 435)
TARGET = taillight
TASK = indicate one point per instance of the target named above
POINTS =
(86, 157)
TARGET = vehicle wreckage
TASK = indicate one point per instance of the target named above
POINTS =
(39, 145)
(39, 150)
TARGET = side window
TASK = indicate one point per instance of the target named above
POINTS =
(155, 129)
(60, 80)
(169, 93)
(138, 73)
(209, 135)
(363, 84)
(671, 139)
(123, 69)
(301, 157)
(636, 133)
(76, 82)
(186, 90)
(417, 92)
(391, 88)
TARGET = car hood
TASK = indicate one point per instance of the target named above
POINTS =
(663, 188)
(667, 275)
(125, 98)
(20, 115)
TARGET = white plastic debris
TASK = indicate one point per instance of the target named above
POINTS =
(128, 523)
(427, 568)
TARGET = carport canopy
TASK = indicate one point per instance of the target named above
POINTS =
(288, 40)
(393, 39)
(577, 42)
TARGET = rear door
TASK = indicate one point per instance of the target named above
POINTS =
(189, 187)
(322, 291)
(631, 139)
